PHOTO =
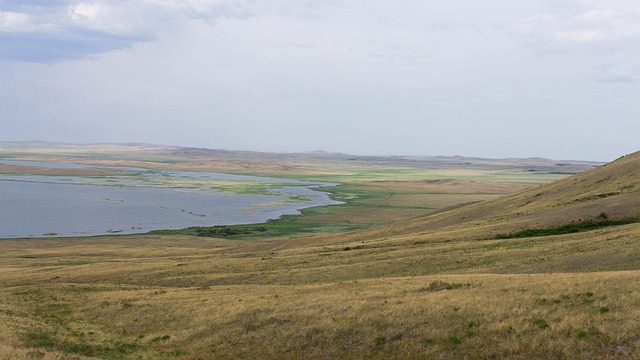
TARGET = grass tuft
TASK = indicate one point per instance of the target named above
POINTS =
(380, 340)
(581, 333)
(541, 323)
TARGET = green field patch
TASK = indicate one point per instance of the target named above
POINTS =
(287, 225)
(226, 231)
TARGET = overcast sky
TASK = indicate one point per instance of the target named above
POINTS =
(497, 78)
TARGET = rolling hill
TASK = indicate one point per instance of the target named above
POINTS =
(611, 191)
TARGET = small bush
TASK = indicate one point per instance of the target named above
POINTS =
(427, 341)
(604, 310)
(541, 323)
(126, 347)
(178, 352)
(380, 340)
(160, 338)
(39, 339)
(587, 297)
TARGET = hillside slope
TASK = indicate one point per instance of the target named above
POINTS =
(465, 239)
(612, 190)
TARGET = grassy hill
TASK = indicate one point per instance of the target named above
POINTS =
(444, 285)
(608, 192)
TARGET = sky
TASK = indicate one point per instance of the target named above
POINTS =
(498, 78)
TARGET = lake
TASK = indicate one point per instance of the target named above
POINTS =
(142, 200)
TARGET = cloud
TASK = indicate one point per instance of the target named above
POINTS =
(623, 71)
(579, 36)
(52, 31)
(594, 40)
(15, 21)
(617, 78)
(205, 9)
(356, 27)
(592, 26)
(46, 48)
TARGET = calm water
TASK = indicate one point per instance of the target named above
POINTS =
(34, 206)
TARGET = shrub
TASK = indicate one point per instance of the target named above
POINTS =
(541, 323)
(380, 340)
(581, 334)
(39, 338)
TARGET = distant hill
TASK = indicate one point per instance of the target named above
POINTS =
(268, 162)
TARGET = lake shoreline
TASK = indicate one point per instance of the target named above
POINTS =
(43, 205)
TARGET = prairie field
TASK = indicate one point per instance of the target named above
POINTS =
(447, 258)
(158, 297)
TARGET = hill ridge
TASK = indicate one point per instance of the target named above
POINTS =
(612, 190)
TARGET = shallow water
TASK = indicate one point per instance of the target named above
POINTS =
(34, 205)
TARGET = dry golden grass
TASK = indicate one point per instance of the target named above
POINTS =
(118, 297)
(588, 315)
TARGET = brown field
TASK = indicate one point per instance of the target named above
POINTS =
(115, 297)
(427, 285)
(36, 170)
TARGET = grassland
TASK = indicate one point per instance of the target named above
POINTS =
(166, 297)
(421, 277)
